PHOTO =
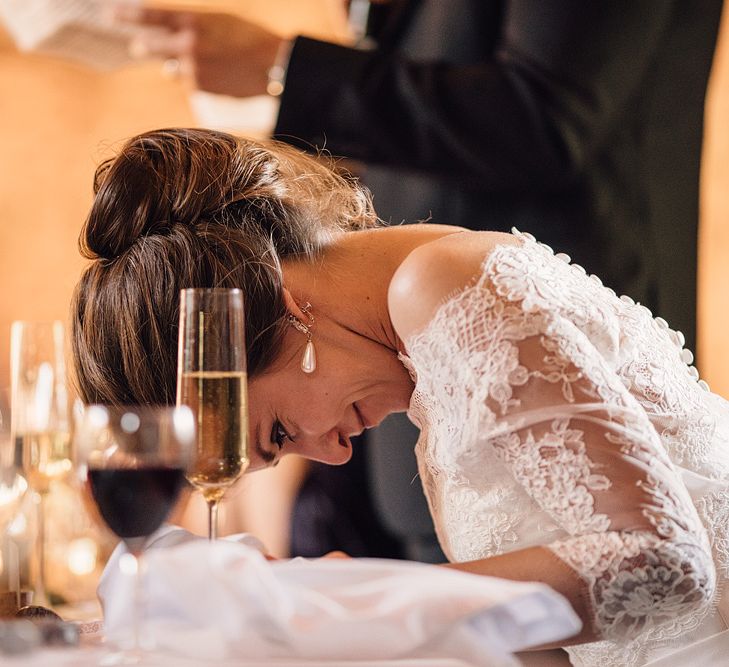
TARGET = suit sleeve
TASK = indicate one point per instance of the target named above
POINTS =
(529, 117)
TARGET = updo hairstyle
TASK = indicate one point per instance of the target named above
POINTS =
(181, 208)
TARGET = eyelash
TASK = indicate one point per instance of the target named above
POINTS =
(279, 435)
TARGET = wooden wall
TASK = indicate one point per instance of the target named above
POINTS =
(713, 340)
(57, 119)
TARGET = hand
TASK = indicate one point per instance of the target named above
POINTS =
(336, 554)
(222, 53)
(553, 658)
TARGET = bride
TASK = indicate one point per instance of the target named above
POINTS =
(564, 436)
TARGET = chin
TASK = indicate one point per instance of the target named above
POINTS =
(373, 415)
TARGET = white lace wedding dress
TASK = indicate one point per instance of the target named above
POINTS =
(554, 413)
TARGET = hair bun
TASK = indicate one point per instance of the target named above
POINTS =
(165, 182)
(167, 178)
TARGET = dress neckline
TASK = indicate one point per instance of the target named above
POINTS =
(524, 239)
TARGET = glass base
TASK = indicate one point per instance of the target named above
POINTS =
(123, 658)
(128, 654)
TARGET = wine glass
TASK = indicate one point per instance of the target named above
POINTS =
(40, 418)
(12, 484)
(133, 460)
(12, 491)
(211, 380)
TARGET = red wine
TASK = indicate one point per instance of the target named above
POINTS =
(135, 501)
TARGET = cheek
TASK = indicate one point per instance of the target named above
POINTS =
(313, 407)
(314, 404)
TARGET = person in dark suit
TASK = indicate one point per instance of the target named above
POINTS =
(579, 122)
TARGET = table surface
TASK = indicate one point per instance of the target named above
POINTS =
(92, 652)
(94, 656)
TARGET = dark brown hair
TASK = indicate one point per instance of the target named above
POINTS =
(183, 208)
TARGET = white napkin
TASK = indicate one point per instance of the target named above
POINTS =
(224, 600)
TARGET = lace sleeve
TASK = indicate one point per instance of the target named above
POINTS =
(583, 448)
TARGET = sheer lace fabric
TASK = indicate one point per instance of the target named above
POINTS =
(554, 413)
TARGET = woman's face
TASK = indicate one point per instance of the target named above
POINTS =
(315, 415)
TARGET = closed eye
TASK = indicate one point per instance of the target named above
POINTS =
(279, 435)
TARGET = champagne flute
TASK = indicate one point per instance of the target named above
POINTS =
(40, 418)
(212, 381)
(12, 490)
(133, 460)
(12, 484)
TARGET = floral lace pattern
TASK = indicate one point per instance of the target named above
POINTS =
(571, 420)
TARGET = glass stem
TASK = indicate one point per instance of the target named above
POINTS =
(133, 563)
(212, 520)
(42, 597)
(138, 609)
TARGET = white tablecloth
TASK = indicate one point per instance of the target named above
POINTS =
(224, 601)
(93, 657)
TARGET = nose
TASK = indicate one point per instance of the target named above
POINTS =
(332, 448)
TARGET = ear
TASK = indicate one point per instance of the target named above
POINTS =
(292, 306)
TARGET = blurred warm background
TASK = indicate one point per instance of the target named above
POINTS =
(58, 119)
(713, 323)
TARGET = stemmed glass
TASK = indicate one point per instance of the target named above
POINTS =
(211, 380)
(133, 460)
(12, 489)
(40, 418)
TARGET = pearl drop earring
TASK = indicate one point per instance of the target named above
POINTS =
(308, 359)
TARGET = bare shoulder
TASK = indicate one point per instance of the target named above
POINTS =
(434, 271)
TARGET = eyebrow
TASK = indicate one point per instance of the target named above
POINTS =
(267, 456)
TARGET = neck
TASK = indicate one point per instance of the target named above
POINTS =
(347, 285)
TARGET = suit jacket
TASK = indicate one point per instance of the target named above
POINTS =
(580, 122)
